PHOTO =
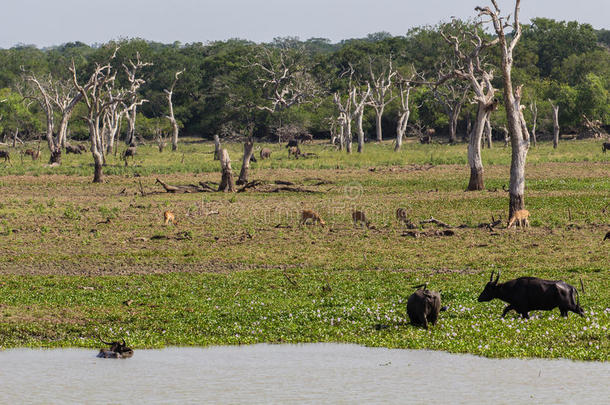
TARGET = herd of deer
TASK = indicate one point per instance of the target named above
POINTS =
(359, 218)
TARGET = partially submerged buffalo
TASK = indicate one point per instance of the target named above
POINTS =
(117, 350)
(526, 294)
(424, 306)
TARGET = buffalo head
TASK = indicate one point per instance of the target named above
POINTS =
(489, 292)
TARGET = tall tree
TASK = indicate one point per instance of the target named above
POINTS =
(171, 117)
(381, 95)
(469, 66)
(519, 135)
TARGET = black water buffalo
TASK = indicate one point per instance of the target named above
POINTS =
(526, 294)
(117, 350)
(423, 306)
(292, 143)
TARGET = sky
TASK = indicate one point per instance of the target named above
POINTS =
(54, 22)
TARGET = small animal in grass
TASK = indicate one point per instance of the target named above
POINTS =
(605, 146)
(309, 215)
(294, 150)
(168, 217)
(423, 306)
(6, 155)
(35, 154)
(73, 149)
(401, 216)
(519, 217)
(359, 219)
(117, 350)
(525, 294)
(265, 153)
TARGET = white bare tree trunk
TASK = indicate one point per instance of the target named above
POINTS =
(216, 147)
(245, 165)
(474, 150)
(488, 132)
(227, 184)
(512, 102)
(534, 110)
(171, 117)
(555, 125)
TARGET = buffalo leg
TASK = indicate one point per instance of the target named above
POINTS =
(508, 308)
(525, 315)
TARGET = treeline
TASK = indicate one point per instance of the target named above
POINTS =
(235, 86)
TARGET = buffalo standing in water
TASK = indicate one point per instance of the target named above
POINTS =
(117, 350)
(424, 306)
(526, 294)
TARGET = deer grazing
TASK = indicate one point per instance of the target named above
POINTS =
(359, 219)
(309, 215)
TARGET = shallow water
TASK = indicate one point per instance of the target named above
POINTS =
(310, 373)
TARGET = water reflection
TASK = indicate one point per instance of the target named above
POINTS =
(312, 373)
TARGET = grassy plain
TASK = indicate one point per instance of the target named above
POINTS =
(79, 260)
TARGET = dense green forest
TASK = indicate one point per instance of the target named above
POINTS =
(223, 89)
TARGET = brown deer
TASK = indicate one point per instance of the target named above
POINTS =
(294, 150)
(131, 151)
(35, 154)
(401, 216)
(359, 218)
(307, 215)
(169, 217)
(519, 217)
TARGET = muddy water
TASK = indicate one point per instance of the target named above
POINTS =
(312, 373)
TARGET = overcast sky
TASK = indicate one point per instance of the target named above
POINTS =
(54, 22)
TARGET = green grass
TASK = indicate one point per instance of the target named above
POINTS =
(197, 157)
(264, 306)
(73, 253)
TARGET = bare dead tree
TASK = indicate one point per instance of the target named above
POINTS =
(50, 94)
(404, 111)
(489, 133)
(100, 95)
(133, 102)
(359, 98)
(381, 95)
(534, 111)
(216, 147)
(161, 139)
(450, 95)
(555, 108)
(171, 117)
(344, 120)
(284, 77)
(512, 102)
(245, 165)
(227, 184)
(468, 66)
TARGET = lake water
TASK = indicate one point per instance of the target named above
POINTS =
(309, 373)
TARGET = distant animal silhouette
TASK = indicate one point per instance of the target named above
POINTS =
(359, 218)
(117, 351)
(309, 215)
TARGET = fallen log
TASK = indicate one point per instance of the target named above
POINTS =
(433, 220)
(190, 188)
